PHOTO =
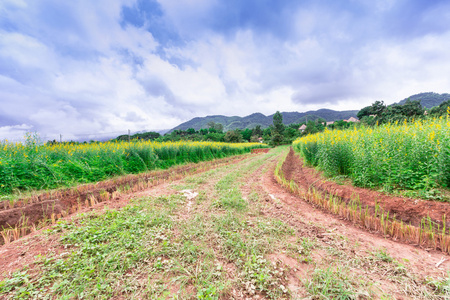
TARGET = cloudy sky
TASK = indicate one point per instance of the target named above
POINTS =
(98, 67)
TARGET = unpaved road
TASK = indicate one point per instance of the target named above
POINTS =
(288, 249)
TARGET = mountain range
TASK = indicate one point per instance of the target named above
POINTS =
(428, 100)
(235, 122)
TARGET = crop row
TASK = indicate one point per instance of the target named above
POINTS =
(408, 156)
(31, 166)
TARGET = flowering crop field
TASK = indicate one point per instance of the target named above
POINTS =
(407, 156)
(31, 166)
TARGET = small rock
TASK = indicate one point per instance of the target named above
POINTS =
(189, 194)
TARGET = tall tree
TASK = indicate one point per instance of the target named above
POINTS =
(215, 127)
(376, 109)
(257, 131)
(233, 136)
(278, 129)
(278, 122)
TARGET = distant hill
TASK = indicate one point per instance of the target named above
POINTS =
(231, 123)
(428, 100)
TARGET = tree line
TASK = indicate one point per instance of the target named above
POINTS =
(380, 113)
(276, 134)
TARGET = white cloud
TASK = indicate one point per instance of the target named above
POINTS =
(72, 67)
(14, 133)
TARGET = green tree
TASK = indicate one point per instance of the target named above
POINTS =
(441, 110)
(278, 122)
(278, 129)
(215, 137)
(246, 134)
(215, 127)
(376, 109)
(233, 136)
(218, 127)
(257, 131)
(190, 131)
(310, 128)
(267, 133)
(410, 109)
(291, 134)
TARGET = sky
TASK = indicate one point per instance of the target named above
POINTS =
(86, 69)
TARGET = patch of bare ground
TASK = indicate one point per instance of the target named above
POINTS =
(24, 251)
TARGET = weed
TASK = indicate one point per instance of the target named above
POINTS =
(331, 284)
(104, 246)
(440, 286)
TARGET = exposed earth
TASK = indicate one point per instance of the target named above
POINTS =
(301, 249)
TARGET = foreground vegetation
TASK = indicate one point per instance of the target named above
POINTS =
(32, 166)
(410, 156)
(227, 242)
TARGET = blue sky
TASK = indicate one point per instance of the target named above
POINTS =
(95, 67)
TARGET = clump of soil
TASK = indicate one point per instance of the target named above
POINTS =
(260, 150)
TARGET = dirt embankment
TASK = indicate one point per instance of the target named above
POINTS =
(406, 209)
(260, 150)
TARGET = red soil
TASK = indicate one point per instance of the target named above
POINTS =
(260, 150)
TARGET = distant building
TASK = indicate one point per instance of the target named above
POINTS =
(352, 119)
(302, 128)
(330, 123)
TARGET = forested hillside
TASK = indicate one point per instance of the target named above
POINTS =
(428, 100)
(235, 122)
